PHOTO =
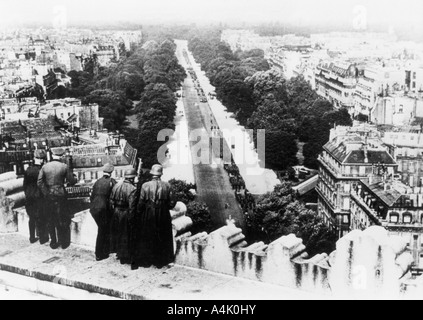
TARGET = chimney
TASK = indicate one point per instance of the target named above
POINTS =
(366, 150)
(371, 178)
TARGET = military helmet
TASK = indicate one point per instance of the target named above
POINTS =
(59, 152)
(40, 154)
(157, 170)
(130, 173)
(108, 168)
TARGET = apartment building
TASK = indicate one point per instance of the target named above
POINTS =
(337, 81)
(407, 149)
(351, 154)
(393, 205)
(397, 109)
(377, 80)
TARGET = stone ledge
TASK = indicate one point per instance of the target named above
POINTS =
(76, 268)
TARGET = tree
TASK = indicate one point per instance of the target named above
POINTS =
(339, 117)
(158, 97)
(151, 123)
(201, 217)
(362, 117)
(317, 237)
(182, 191)
(268, 85)
(113, 106)
(197, 211)
(281, 147)
(279, 213)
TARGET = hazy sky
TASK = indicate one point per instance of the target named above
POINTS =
(303, 12)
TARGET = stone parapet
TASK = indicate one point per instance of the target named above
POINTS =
(365, 264)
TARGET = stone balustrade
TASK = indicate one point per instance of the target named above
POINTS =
(11, 196)
(366, 263)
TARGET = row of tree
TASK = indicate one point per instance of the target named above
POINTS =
(261, 98)
(156, 109)
(143, 84)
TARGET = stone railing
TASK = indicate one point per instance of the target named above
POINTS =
(365, 264)
(11, 196)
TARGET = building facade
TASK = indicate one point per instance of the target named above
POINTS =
(337, 83)
(346, 159)
(392, 205)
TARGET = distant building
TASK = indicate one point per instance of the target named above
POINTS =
(373, 177)
(56, 84)
(291, 60)
(88, 160)
(106, 54)
(337, 81)
(393, 205)
(407, 149)
(349, 156)
(376, 81)
(19, 139)
(79, 117)
(414, 77)
(245, 40)
(397, 109)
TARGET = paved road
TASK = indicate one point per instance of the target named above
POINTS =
(212, 180)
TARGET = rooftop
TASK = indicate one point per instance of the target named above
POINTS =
(388, 196)
(350, 149)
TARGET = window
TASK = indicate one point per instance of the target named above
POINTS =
(346, 204)
(408, 218)
(394, 218)
(347, 188)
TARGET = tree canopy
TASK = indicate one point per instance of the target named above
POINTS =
(262, 98)
(279, 213)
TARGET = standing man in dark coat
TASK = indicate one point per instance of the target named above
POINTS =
(51, 181)
(121, 199)
(34, 200)
(155, 232)
(101, 211)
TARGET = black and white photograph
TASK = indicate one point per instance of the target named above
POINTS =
(211, 154)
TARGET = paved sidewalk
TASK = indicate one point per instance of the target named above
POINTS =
(76, 268)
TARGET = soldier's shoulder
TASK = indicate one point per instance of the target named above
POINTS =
(165, 184)
(147, 184)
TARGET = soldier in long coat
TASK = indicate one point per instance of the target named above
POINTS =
(121, 199)
(34, 200)
(101, 211)
(51, 181)
(153, 221)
